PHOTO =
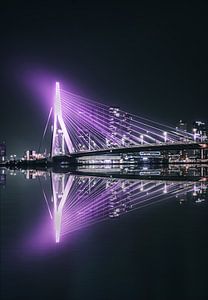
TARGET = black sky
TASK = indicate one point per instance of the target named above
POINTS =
(150, 58)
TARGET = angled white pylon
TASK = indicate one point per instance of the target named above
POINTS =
(60, 133)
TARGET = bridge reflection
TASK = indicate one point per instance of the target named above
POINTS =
(80, 200)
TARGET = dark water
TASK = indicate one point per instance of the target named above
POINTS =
(90, 237)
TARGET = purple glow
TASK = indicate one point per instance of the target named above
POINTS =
(41, 85)
(83, 202)
(60, 133)
(41, 240)
(79, 202)
(89, 125)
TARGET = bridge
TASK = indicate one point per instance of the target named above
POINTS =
(138, 148)
(83, 127)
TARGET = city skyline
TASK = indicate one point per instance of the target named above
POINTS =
(87, 132)
(82, 124)
(122, 126)
(144, 59)
(104, 150)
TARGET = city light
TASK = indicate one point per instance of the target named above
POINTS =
(87, 124)
(82, 126)
(104, 198)
(195, 134)
(142, 138)
(165, 136)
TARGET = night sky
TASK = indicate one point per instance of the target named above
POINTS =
(150, 59)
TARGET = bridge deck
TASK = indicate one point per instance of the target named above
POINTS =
(144, 147)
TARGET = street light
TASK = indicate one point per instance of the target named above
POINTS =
(194, 131)
(142, 139)
(165, 189)
(165, 136)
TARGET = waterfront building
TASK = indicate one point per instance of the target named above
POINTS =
(120, 127)
(32, 155)
(2, 178)
(182, 128)
(2, 152)
(200, 131)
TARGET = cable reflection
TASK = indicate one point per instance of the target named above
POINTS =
(80, 201)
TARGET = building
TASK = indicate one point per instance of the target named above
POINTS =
(2, 178)
(32, 155)
(2, 152)
(120, 127)
(126, 121)
(200, 131)
(182, 128)
(90, 138)
(84, 139)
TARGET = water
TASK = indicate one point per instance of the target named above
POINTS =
(104, 234)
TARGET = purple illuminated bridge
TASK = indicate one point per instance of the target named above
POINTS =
(83, 127)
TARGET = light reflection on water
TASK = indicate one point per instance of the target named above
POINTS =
(82, 201)
(81, 198)
(74, 233)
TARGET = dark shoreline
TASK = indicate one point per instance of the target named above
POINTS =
(88, 170)
(50, 164)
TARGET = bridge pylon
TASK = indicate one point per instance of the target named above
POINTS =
(61, 142)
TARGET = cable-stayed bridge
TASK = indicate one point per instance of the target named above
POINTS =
(84, 196)
(83, 127)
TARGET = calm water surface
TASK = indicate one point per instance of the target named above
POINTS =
(78, 236)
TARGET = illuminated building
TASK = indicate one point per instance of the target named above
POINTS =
(32, 155)
(2, 177)
(182, 127)
(200, 131)
(2, 152)
(120, 127)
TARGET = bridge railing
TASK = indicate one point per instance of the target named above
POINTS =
(140, 146)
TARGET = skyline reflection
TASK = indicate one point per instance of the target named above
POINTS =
(76, 200)
(81, 201)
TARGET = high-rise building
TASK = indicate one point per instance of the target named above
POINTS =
(182, 126)
(126, 121)
(89, 137)
(2, 177)
(84, 139)
(114, 125)
(2, 152)
(120, 127)
(200, 131)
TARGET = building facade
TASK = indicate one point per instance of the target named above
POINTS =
(2, 152)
